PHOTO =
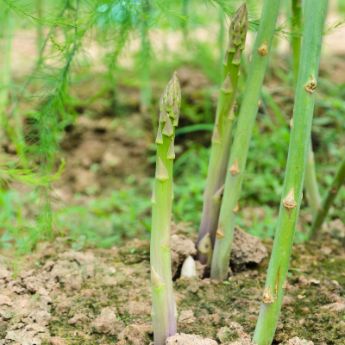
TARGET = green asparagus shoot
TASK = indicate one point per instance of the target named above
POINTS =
(221, 140)
(240, 147)
(163, 303)
(310, 180)
(314, 18)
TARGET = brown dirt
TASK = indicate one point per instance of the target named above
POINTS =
(59, 296)
(100, 152)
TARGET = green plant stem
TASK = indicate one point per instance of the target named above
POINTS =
(163, 303)
(240, 147)
(310, 184)
(315, 13)
(221, 140)
(320, 216)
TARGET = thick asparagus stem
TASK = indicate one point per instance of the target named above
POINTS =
(163, 308)
(310, 181)
(221, 139)
(240, 147)
(319, 218)
(315, 13)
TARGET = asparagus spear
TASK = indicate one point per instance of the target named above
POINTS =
(239, 150)
(338, 181)
(315, 13)
(310, 183)
(222, 133)
(164, 308)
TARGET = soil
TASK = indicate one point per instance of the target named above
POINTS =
(59, 296)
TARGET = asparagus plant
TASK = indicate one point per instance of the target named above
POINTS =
(164, 309)
(239, 150)
(320, 216)
(315, 13)
(222, 133)
(310, 183)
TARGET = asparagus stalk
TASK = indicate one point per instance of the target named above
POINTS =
(240, 147)
(310, 183)
(222, 134)
(315, 13)
(338, 181)
(164, 309)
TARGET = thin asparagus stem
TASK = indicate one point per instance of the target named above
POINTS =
(315, 13)
(337, 183)
(240, 147)
(221, 140)
(164, 308)
(310, 181)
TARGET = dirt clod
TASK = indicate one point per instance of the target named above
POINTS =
(189, 339)
(298, 341)
(57, 341)
(106, 322)
(135, 335)
(232, 332)
(246, 250)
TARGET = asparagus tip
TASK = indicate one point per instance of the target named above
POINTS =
(238, 29)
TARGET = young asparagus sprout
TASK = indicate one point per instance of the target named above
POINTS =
(221, 138)
(310, 181)
(314, 18)
(240, 146)
(163, 303)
